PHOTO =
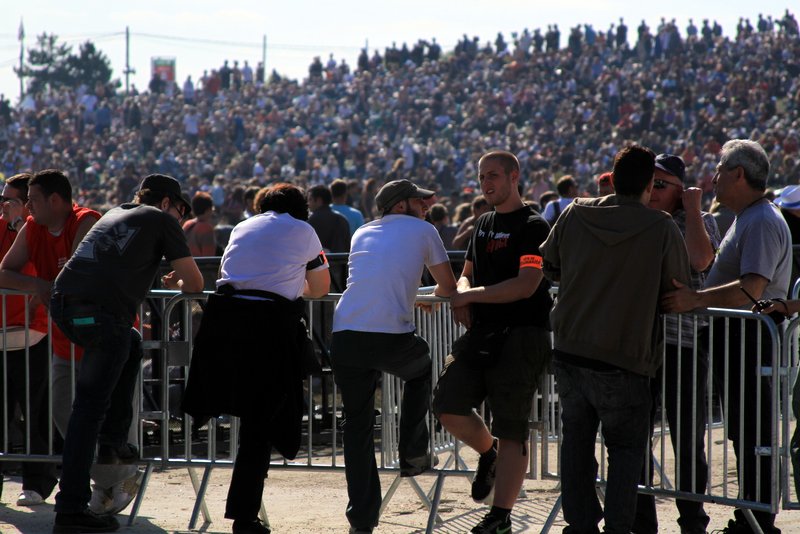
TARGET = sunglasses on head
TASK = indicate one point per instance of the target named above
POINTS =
(658, 183)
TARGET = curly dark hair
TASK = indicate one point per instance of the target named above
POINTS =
(283, 198)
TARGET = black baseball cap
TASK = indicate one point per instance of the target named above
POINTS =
(169, 185)
(396, 190)
(672, 164)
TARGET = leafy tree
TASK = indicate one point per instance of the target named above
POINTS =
(89, 66)
(52, 64)
(46, 63)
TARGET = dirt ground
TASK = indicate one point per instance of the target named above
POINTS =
(313, 501)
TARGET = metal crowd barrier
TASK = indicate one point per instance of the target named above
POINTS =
(171, 439)
(790, 408)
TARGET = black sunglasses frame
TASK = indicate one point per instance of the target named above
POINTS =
(658, 183)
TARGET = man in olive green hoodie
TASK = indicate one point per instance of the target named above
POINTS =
(612, 257)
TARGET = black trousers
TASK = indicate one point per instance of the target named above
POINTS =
(249, 471)
(358, 360)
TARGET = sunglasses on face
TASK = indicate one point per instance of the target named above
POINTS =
(179, 207)
(11, 200)
(662, 184)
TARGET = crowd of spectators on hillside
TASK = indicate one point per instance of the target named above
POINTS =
(427, 113)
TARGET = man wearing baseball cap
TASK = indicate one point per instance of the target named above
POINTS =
(397, 191)
(94, 302)
(702, 237)
(374, 332)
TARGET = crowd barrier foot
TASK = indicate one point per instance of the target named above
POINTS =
(751, 520)
(425, 498)
(200, 487)
(548, 524)
(148, 470)
(262, 514)
(433, 516)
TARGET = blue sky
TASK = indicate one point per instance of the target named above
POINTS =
(200, 34)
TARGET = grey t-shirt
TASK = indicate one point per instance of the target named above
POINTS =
(671, 331)
(758, 242)
(116, 262)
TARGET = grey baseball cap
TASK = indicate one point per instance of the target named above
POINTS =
(396, 190)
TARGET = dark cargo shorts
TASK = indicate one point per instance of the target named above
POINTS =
(508, 385)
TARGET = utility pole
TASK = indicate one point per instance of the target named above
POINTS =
(21, 37)
(264, 55)
(128, 69)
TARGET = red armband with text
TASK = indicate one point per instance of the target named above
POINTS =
(531, 261)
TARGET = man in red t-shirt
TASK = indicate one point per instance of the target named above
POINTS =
(200, 230)
(50, 235)
(47, 240)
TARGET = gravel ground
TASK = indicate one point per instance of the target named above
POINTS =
(313, 501)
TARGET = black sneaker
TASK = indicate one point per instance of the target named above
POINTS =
(483, 482)
(253, 526)
(114, 455)
(492, 524)
(732, 528)
(736, 526)
(86, 521)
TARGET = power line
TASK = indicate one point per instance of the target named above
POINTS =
(243, 44)
(72, 36)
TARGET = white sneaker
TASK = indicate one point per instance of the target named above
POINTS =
(122, 494)
(100, 502)
(29, 498)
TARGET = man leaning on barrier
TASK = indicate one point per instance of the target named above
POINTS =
(373, 332)
(756, 256)
(606, 327)
(700, 231)
(46, 240)
(247, 358)
(28, 393)
(94, 302)
(504, 302)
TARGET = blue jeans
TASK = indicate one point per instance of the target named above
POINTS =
(620, 400)
(102, 410)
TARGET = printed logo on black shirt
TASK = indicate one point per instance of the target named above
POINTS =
(118, 237)
(497, 241)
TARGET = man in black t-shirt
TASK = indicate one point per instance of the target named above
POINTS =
(504, 303)
(94, 302)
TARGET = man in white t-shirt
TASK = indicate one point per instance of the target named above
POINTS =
(373, 332)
